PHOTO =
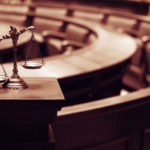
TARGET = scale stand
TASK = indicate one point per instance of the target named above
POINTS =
(16, 82)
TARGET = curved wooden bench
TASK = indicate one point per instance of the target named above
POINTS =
(94, 69)
(60, 42)
(91, 72)
(125, 118)
(115, 123)
(70, 9)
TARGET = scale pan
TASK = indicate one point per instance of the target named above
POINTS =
(32, 65)
(3, 78)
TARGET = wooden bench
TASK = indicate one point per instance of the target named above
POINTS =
(94, 69)
(117, 123)
(58, 43)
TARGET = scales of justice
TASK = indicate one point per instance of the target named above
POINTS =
(15, 81)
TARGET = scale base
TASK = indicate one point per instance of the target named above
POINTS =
(15, 83)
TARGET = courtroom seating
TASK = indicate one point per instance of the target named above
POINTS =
(146, 49)
(116, 123)
(75, 33)
(44, 24)
(144, 29)
(137, 73)
(89, 38)
(134, 77)
(56, 46)
(69, 45)
(90, 80)
(53, 41)
(53, 34)
(66, 47)
(120, 22)
(101, 124)
(58, 43)
(53, 47)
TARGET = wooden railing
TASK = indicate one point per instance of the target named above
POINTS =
(95, 68)
(116, 123)
(71, 9)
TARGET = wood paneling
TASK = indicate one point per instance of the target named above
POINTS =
(117, 123)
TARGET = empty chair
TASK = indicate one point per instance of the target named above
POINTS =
(134, 77)
(144, 29)
(76, 33)
(53, 47)
(66, 47)
(146, 49)
(89, 37)
(53, 41)
(124, 23)
(47, 24)
(57, 43)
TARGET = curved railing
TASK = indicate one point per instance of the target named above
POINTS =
(93, 68)
(111, 123)
(93, 72)
(70, 9)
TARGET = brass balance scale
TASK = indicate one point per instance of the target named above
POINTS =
(15, 81)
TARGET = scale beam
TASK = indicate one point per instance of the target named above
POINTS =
(15, 82)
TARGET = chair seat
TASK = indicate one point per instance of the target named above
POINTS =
(53, 47)
(75, 33)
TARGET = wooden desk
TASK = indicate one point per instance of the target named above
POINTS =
(25, 115)
(85, 73)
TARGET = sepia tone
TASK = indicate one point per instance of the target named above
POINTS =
(74, 75)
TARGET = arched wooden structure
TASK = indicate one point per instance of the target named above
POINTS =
(117, 123)
(133, 24)
(91, 75)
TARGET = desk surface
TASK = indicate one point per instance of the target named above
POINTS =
(39, 89)
(37, 104)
